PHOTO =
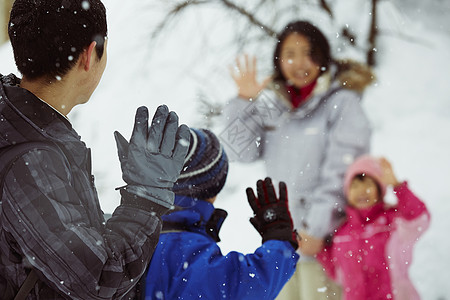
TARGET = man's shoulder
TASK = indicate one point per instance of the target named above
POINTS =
(26, 118)
(34, 156)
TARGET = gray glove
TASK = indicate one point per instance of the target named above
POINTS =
(152, 161)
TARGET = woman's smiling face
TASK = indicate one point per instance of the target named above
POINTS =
(296, 63)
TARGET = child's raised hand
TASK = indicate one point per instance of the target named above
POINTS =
(244, 75)
(389, 177)
(272, 218)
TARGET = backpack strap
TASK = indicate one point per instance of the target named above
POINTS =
(27, 285)
(8, 156)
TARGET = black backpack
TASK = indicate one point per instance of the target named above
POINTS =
(8, 156)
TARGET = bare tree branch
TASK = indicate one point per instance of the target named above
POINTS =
(245, 37)
(326, 7)
(349, 35)
(250, 17)
(177, 9)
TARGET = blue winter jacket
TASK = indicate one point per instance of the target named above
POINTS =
(188, 264)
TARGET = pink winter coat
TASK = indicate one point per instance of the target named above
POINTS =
(372, 251)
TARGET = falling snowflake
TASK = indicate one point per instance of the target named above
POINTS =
(85, 5)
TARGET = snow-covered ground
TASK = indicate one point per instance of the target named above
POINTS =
(409, 108)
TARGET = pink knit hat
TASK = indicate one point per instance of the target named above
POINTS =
(369, 166)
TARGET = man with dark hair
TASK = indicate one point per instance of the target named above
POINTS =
(54, 241)
(49, 36)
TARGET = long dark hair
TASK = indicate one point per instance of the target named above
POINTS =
(320, 48)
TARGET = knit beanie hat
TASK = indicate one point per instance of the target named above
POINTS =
(367, 165)
(205, 168)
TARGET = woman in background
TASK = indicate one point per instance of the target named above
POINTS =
(307, 124)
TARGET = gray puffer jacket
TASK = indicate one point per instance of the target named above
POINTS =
(309, 147)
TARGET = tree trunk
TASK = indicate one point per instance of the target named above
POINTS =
(371, 60)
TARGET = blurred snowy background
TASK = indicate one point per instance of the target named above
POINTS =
(187, 63)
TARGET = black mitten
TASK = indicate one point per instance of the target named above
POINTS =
(272, 218)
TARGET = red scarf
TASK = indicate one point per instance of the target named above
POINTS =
(298, 96)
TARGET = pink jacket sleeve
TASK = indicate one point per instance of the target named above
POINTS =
(413, 220)
(409, 205)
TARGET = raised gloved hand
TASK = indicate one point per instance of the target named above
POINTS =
(272, 218)
(152, 161)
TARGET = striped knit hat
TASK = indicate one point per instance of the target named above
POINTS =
(205, 168)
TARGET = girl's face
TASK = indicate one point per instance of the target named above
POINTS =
(363, 192)
(295, 61)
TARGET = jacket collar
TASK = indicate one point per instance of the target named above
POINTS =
(200, 218)
(299, 96)
(33, 108)
(324, 84)
(35, 120)
(196, 215)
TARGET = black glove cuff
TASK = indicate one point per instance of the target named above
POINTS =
(282, 233)
(129, 199)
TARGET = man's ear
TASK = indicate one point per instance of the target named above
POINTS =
(88, 56)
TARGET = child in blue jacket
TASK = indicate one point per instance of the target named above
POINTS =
(187, 260)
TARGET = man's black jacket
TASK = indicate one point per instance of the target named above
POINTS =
(50, 218)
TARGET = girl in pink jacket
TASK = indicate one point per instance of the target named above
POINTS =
(370, 254)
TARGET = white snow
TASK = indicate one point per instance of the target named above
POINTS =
(409, 109)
